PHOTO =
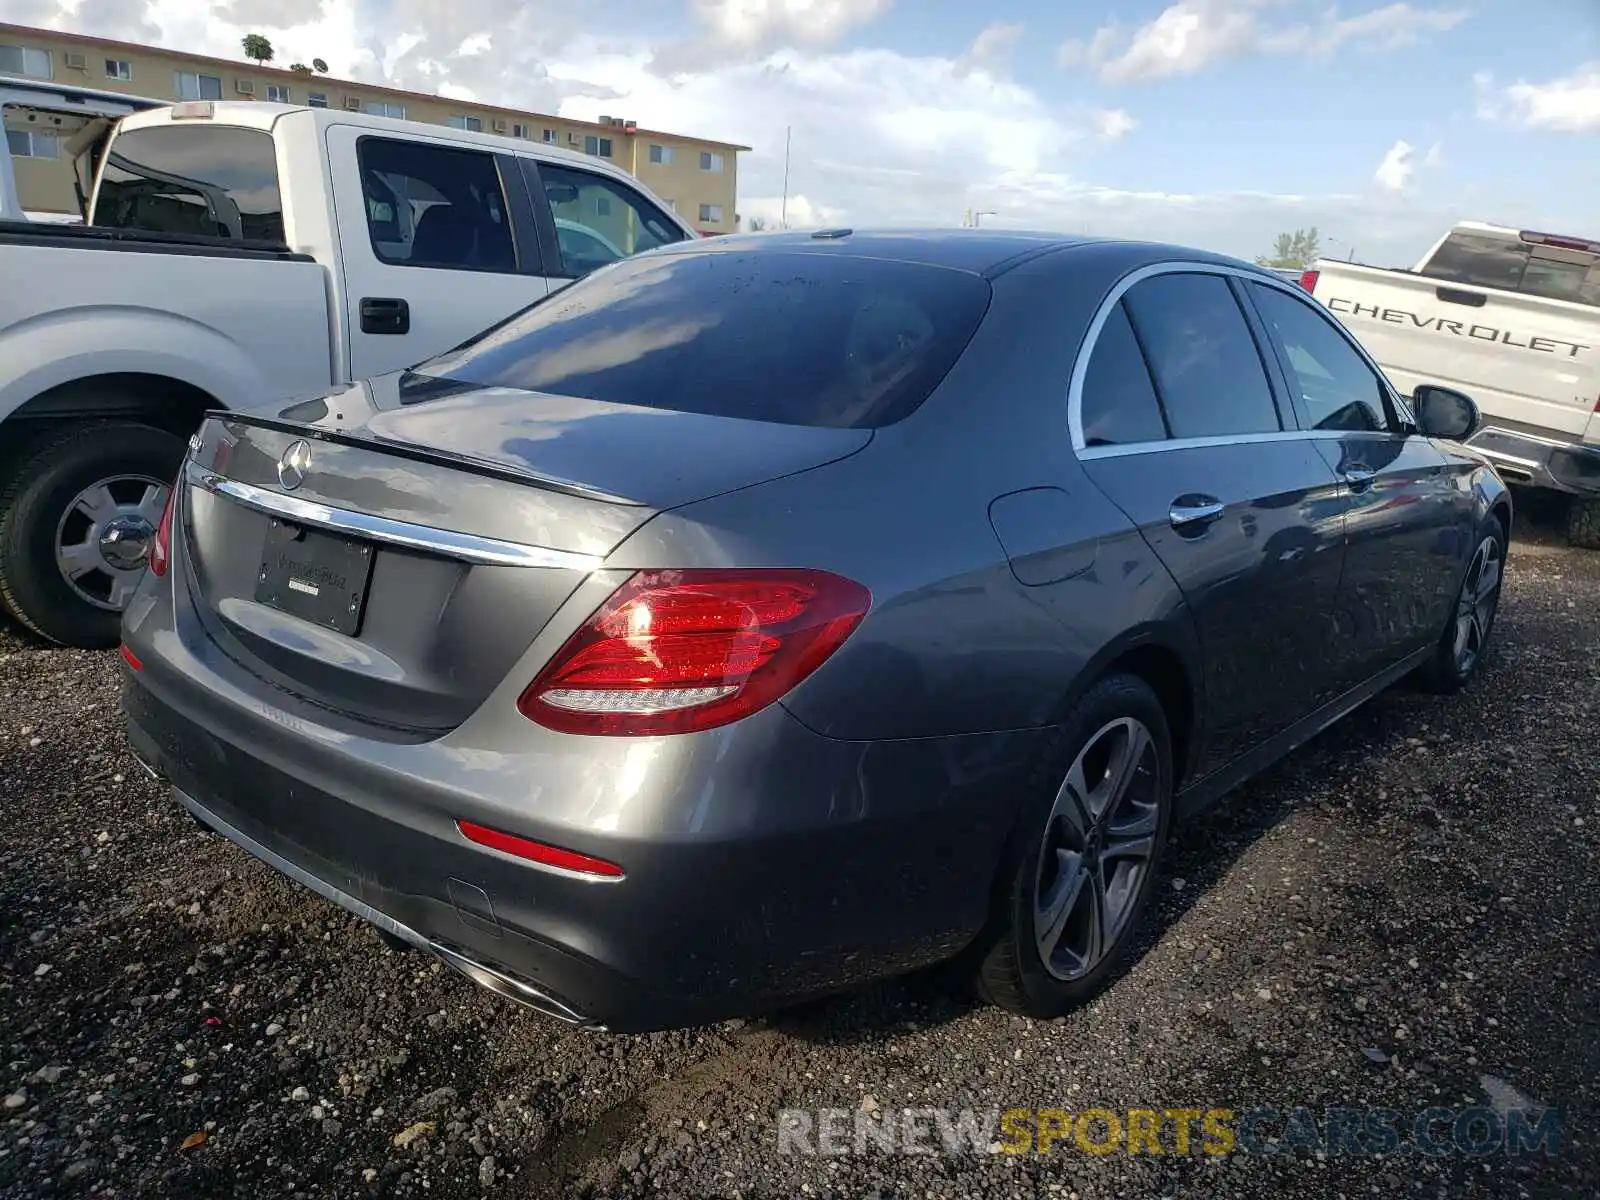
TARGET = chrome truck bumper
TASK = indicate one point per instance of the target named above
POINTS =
(1532, 459)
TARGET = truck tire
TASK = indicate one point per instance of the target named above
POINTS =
(1583, 523)
(77, 513)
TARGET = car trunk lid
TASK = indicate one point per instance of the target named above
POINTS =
(393, 564)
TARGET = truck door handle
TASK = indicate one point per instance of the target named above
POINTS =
(383, 315)
(1192, 514)
(1358, 479)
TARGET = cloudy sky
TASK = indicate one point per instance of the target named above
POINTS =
(1211, 122)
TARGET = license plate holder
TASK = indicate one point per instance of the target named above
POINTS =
(319, 577)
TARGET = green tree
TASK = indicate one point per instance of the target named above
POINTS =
(257, 47)
(300, 68)
(757, 224)
(1293, 250)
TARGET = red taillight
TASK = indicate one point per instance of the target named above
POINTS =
(1308, 279)
(129, 657)
(539, 852)
(161, 548)
(678, 651)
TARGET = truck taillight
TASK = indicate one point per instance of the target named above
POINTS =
(1308, 280)
(681, 651)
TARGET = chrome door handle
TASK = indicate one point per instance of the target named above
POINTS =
(1358, 479)
(1190, 512)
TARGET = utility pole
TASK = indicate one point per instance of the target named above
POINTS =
(783, 215)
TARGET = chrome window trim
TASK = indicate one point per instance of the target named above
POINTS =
(1080, 367)
(464, 547)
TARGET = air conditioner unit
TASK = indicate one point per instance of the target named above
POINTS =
(245, 87)
(631, 126)
(499, 125)
(604, 120)
(77, 62)
(353, 103)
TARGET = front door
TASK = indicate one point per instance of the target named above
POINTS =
(437, 243)
(1182, 430)
(1409, 515)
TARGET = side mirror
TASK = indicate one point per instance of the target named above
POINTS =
(1444, 412)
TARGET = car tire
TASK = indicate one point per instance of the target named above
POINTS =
(1465, 638)
(1583, 523)
(57, 503)
(1071, 858)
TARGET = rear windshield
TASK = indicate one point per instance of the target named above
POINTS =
(786, 337)
(1514, 266)
(193, 178)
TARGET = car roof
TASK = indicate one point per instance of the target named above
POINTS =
(984, 252)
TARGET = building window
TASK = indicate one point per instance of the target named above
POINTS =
(711, 213)
(710, 162)
(317, 99)
(25, 60)
(25, 143)
(518, 129)
(551, 136)
(470, 124)
(277, 93)
(598, 146)
(662, 155)
(198, 87)
(382, 108)
(119, 68)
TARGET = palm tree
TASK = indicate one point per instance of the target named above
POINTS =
(257, 47)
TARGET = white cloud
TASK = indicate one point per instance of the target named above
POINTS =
(880, 137)
(993, 45)
(1569, 104)
(1395, 171)
(1192, 35)
(1114, 124)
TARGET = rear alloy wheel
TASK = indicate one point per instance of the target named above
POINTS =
(1466, 636)
(1085, 857)
(76, 523)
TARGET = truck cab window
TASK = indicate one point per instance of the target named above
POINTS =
(599, 220)
(435, 206)
(213, 181)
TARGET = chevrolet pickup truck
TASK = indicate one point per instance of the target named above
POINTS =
(241, 253)
(1510, 317)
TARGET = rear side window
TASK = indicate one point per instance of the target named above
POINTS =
(793, 338)
(1338, 388)
(435, 206)
(1483, 260)
(1119, 405)
(1203, 356)
(211, 180)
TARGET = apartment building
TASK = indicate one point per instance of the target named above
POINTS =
(697, 176)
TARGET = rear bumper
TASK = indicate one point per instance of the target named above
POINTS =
(1525, 457)
(764, 863)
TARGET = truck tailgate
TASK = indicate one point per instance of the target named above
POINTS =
(1522, 358)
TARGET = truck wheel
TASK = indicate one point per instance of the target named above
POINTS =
(77, 515)
(1583, 523)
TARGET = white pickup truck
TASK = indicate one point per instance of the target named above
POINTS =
(244, 253)
(1511, 318)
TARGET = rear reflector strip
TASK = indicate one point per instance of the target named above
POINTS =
(129, 657)
(539, 852)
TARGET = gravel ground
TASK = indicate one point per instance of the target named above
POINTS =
(1417, 887)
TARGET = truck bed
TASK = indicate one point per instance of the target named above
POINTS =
(97, 237)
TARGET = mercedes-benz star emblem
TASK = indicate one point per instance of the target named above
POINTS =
(294, 464)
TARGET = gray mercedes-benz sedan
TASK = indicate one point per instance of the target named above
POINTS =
(761, 616)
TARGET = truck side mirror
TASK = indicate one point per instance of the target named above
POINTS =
(1444, 412)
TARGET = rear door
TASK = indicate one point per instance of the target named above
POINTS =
(1409, 518)
(437, 242)
(1179, 424)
